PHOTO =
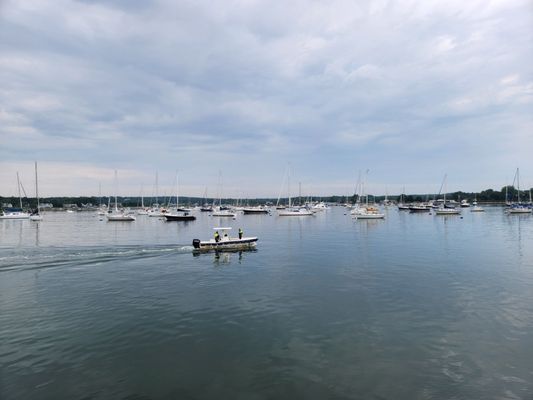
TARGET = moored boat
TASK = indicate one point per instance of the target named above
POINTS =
(255, 210)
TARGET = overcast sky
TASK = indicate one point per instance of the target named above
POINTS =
(410, 90)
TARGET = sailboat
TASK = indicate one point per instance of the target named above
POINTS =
(15, 212)
(179, 215)
(206, 207)
(444, 209)
(102, 208)
(117, 215)
(143, 210)
(518, 207)
(367, 211)
(156, 210)
(291, 211)
(221, 211)
(36, 215)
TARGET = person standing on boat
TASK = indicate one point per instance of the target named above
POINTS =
(240, 233)
(217, 236)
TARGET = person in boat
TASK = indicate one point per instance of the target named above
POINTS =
(217, 236)
(240, 233)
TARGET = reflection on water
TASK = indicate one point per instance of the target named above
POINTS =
(413, 306)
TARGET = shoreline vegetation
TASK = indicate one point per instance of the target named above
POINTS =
(488, 197)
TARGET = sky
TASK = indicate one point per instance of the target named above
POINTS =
(408, 90)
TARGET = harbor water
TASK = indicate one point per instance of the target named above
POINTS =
(415, 306)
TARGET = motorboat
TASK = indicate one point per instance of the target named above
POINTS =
(206, 208)
(476, 208)
(157, 212)
(419, 208)
(219, 212)
(225, 242)
(465, 203)
(320, 207)
(255, 210)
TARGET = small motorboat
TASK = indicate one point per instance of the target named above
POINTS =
(225, 242)
(419, 208)
(223, 212)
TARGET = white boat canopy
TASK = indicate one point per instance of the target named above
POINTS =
(222, 229)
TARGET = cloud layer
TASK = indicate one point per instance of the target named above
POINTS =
(408, 89)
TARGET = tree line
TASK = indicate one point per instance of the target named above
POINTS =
(507, 193)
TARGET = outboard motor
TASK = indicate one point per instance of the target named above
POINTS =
(196, 243)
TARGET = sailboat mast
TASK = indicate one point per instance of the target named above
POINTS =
(156, 188)
(18, 185)
(37, 188)
(177, 191)
(444, 186)
(518, 183)
(116, 184)
(289, 184)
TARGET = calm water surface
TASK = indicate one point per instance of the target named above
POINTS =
(412, 307)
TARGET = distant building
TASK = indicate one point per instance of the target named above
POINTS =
(44, 206)
(70, 205)
(7, 205)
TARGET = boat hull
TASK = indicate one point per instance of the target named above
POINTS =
(447, 211)
(230, 244)
(120, 218)
(180, 217)
(248, 211)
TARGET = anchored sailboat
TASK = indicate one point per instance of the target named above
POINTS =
(36, 215)
(117, 215)
(15, 212)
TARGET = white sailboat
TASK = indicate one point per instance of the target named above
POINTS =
(221, 211)
(179, 215)
(367, 211)
(518, 207)
(14, 212)
(443, 210)
(143, 210)
(157, 210)
(291, 211)
(36, 216)
(118, 215)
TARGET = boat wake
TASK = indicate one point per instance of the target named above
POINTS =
(29, 259)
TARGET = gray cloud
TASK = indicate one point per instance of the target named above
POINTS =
(409, 89)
